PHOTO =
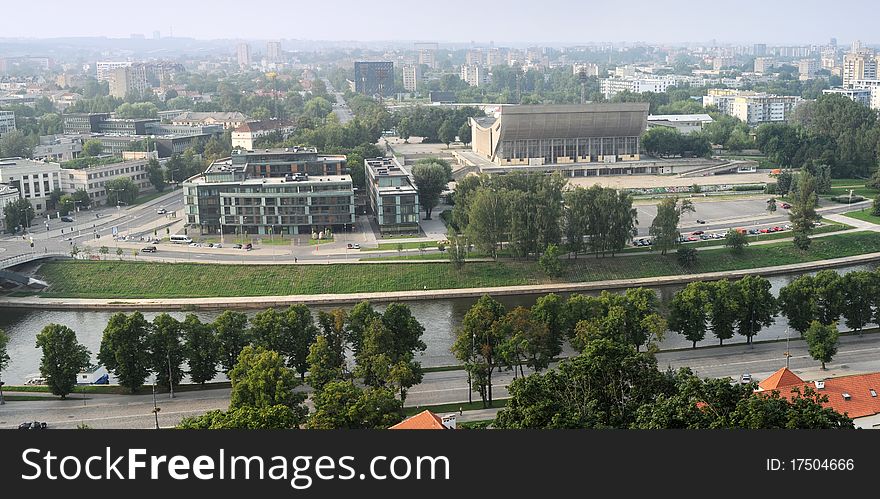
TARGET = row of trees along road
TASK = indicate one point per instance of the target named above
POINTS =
(530, 212)
(492, 338)
(383, 345)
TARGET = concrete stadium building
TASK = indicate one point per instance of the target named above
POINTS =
(566, 134)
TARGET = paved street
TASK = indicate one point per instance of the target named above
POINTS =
(856, 355)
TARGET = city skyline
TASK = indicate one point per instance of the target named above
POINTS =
(675, 21)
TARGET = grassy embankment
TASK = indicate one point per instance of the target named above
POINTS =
(124, 279)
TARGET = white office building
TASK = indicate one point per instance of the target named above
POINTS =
(7, 122)
(104, 69)
(860, 95)
(34, 180)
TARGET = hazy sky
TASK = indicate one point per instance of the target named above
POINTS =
(771, 21)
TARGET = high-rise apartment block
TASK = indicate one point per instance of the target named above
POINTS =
(243, 55)
(412, 75)
(128, 80)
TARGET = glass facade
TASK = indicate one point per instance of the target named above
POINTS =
(574, 149)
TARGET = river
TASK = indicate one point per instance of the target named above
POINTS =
(441, 318)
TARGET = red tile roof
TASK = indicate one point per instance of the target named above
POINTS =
(425, 420)
(859, 403)
(781, 378)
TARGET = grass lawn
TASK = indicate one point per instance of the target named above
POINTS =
(864, 215)
(407, 256)
(860, 190)
(149, 197)
(406, 245)
(100, 279)
(848, 182)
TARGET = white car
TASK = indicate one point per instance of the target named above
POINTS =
(745, 379)
(161, 211)
(195, 245)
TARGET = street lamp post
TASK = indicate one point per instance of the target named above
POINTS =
(156, 409)
(170, 379)
(473, 352)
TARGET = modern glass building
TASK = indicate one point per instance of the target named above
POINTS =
(271, 192)
(394, 200)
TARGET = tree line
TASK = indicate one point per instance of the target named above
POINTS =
(267, 358)
(530, 212)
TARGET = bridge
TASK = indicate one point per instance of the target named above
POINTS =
(7, 275)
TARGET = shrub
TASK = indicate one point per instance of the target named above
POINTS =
(749, 187)
(847, 199)
(686, 256)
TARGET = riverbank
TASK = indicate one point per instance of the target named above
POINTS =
(110, 285)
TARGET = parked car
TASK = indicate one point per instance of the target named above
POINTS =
(161, 211)
(745, 379)
(786, 206)
(700, 221)
(155, 241)
(195, 245)
(36, 425)
(148, 249)
(693, 238)
(236, 246)
(754, 231)
(218, 245)
(764, 231)
(696, 233)
(248, 246)
(67, 219)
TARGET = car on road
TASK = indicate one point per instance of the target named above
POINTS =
(236, 246)
(697, 233)
(195, 245)
(700, 221)
(155, 241)
(35, 425)
(66, 219)
(353, 246)
(745, 379)
(218, 245)
(148, 249)
(161, 211)
(248, 246)
(786, 206)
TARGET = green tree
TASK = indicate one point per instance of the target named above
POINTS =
(81, 198)
(18, 213)
(299, 324)
(124, 350)
(875, 208)
(16, 144)
(268, 331)
(686, 257)
(525, 341)
(464, 133)
(341, 405)
(757, 306)
(200, 348)
(487, 221)
(261, 380)
(63, 358)
(324, 364)
(166, 353)
(476, 343)
(232, 336)
(458, 251)
(797, 302)
(664, 228)
(803, 213)
(446, 133)
(276, 417)
(431, 180)
(104, 251)
(689, 312)
(549, 261)
(822, 341)
(66, 204)
(121, 191)
(857, 286)
(830, 296)
(723, 309)
(156, 175)
(54, 199)
(736, 241)
(603, 387)
(771, 205)
(92, 148)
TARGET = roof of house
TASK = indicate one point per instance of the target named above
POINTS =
(216, 116)
(259, 126)
(781, 378)
(425, 420)
(854, 395)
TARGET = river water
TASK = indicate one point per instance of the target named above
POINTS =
(441, 318)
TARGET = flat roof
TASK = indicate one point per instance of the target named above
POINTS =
(679, 117)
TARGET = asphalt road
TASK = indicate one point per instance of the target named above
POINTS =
(856, 355)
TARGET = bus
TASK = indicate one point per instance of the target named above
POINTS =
(181, 239)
